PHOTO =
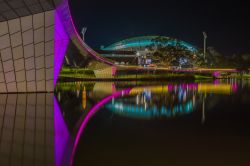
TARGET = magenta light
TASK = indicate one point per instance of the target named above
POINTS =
(60, 45)
(216, 82)
(235, 87)
(64, 32)
(90, 114)
(193, 86)
(113, 88)
(216, 74)
(61, 134)
(66, 18)
(170, 87)
(114, 69)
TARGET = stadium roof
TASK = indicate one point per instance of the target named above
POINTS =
(144, 41)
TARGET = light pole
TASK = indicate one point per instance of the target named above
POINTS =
(84, 30)
(203, 119)
(138, 58)
(205, 44)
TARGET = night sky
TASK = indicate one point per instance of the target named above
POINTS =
(227, 24)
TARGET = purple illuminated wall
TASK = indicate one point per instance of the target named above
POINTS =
(64, 32)
(60, 45)
(67, 21)
(61, 134)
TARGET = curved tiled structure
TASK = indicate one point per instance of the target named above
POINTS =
(26, 46)
(34, 36)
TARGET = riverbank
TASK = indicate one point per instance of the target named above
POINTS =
(88, 75)
(134, 77)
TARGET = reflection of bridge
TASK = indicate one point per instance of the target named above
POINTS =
(26, 117)
(70, 146)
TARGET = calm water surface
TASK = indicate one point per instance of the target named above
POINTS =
(147, 123)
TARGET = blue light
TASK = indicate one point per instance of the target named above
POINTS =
(136, 111)
(147, 41)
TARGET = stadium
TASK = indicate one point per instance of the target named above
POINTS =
(139, 50)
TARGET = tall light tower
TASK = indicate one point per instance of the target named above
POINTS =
(205, 44)
(84, 30)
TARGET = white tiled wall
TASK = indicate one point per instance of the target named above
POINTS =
(26, 129)
(27, 53)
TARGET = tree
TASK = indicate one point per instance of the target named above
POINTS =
(168, 50)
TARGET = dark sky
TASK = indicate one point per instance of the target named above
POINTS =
(227, 24)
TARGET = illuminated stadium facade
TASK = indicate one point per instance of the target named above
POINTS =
(139, 47)
(140, 43)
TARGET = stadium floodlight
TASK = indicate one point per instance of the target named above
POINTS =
(84, 30)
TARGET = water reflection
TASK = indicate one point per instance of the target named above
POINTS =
(168, 100)
(35, 129)
(26, 129)
(160, 102)
(80, 101)
(156, 101)
(165, 100)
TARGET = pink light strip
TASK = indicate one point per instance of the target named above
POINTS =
(64, 31)
(90, 114)
(60, 46)
(68, 23)
(61, 134)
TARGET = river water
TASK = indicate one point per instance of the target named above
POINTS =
(157, 123)
(128, 123)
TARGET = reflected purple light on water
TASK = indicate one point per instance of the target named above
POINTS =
(61, 144)
(114, 69)
(193, 86)
(216, 74)
(113, 88)
(90, 114)
(235, 87)
(216, 82)
(61, 134)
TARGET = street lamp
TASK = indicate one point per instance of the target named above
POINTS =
(138, 58)
(205, 44)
